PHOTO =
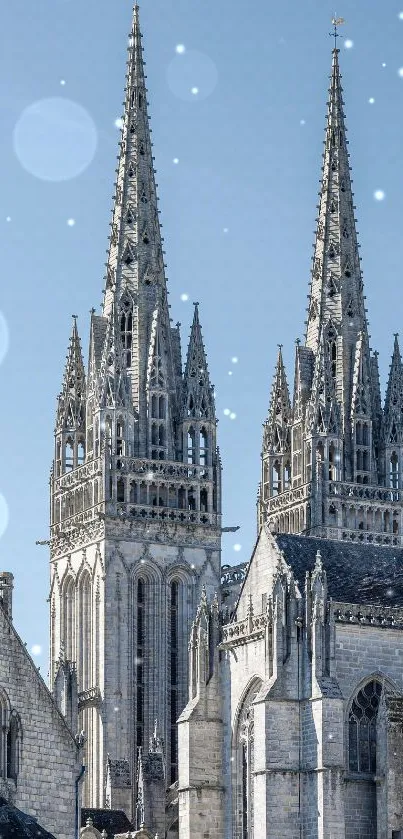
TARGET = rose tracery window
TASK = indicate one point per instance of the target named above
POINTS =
(362, 729)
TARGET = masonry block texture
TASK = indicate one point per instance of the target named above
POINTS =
(48, 761)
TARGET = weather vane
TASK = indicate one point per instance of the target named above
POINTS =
(336, 21)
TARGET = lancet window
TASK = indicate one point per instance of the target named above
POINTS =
(362, 729)
(174, 678)
(85, 627)
(244, 768)
(126, 330)
(139, 661)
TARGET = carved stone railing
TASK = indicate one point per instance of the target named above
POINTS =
(363, 492)
(90, 697)
(288, 498)
(72, 479)
(163, 471)
(240, 632)
(142, 512)
(369, 537)
(383, 616)
(77, 519)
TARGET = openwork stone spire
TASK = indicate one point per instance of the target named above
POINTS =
(276, 436)
(199, 393)
(394, 398)
(71, 402)
(135, 260)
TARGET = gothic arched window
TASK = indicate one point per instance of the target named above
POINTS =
(84, 626)
(126, 325)
(140, 652)
(174, 676)
(362, 729)
(245, 765)
(69, 604)
(191, 446)
(394, 470)
(203, 447)
(13, 746)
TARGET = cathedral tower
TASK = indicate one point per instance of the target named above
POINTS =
(332, 464)
(135, 489)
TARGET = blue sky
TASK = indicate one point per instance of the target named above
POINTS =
(238, 211)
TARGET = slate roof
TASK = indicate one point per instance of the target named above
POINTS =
(14, 824)
(355, 573)
(113, 821)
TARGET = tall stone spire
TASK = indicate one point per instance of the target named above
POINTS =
(135, 279)
(70, 416)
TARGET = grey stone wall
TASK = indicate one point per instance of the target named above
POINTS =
(49, 765)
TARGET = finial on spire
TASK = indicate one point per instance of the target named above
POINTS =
(336, 21)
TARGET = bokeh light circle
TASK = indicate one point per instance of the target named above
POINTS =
(4, 515)
(55, 139)
(191, 71)
(4, 337)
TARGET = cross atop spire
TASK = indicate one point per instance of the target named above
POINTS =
(336, 21)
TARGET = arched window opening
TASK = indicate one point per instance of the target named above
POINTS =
(203, 444)
(365, 461)
(276, 478)
(126, 325)
(365, 434)
(80, 453)
(362, 729)
(161, 435)
(358, 434)
(162, 407)
(119, 438)
(69, 455)
(85, 626)
(120, 490)
(394, 471)
(245, 767)
(181, 498)
(191, 446)
(139, 661)
(108, 434)
(287, 475)
(70, 619)
(154, 406)
(174, 677)
(386, 521)
(133, 492)
(13, 746)
(332, 462)
(332, 515)
(154, 434)
(191, 500)
(203, 501)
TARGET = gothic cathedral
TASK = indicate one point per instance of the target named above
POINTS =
(135, 490)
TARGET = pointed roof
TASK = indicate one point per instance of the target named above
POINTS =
(394, 396)
(336, 286)
(71, 402)
(276, 432)
(135, 257)
(199, 393)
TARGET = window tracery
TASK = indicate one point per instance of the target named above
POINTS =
(362, 728)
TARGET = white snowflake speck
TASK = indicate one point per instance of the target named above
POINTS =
(379, 195)
(193, 566)
(234, 359)
(237, 547)
(302, 122)
(400, 72)
(176, 160)
(116, 708)
(226, 412)
(184, 297)
(348, 44)
(371, 100)
(383, 63)
(8, 218)
(62, 82)
(118, 123)
(71, 222)
(36, 649)
(225, 229)
(232, 415)
(150, 476)
(400, 15)
(194, 90)
(230, 372)
(180, 49)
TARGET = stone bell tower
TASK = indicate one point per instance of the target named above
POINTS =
(135, 489)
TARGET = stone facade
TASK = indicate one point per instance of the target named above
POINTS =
(135, 489)
(39, 758)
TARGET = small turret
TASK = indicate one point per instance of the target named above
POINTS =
(70, 418)
(393, 422)
(199, 420)
(276, 451)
